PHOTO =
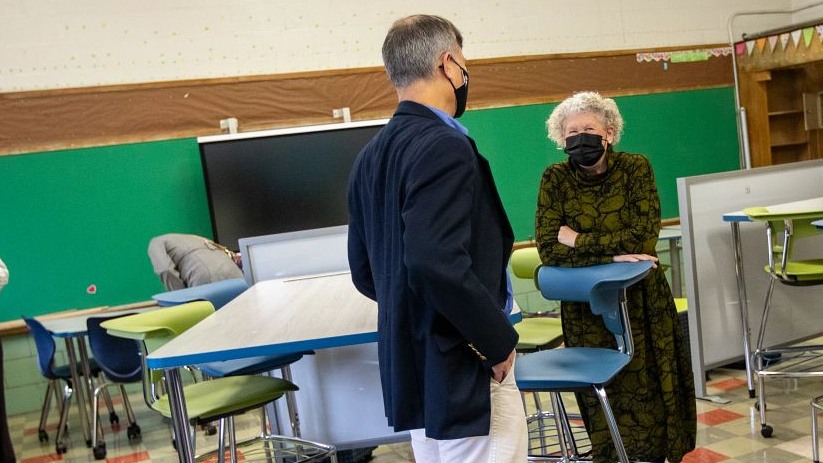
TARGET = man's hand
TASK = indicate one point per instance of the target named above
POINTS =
(502, 369)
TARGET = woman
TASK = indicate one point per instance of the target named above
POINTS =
(602, 206)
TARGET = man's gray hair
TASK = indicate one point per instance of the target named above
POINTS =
(413, 45)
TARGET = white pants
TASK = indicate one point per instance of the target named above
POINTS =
(507, 441)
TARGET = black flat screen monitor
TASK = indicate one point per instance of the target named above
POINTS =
(280, 181)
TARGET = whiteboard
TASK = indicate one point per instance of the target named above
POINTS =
(709, 267)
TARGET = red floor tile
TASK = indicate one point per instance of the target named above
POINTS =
(728, 384)
(131, 458)
(719, 416)
(43, 458)
(703, 455)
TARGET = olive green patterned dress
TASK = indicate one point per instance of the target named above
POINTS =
(618, 212)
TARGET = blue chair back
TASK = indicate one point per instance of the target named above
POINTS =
(119, 358)
(46, 347)
(219, 293)
(599, 285)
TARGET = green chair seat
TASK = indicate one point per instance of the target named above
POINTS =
(537, 333)
(801, 270)
(219, 398)
(209, 400)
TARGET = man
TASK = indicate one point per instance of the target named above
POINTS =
(182, 261)
(429, 241)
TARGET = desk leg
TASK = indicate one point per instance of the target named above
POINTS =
(80, 391)
(89, 383)
(674, 258)
(743, 304)
(179, 416)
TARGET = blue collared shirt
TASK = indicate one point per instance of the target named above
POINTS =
(449, 120)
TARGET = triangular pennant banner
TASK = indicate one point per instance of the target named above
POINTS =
(750, 46)
(740, 48)
(761, 43)
(819, 32)
(772, 42)
(807, 35)
(796, 37)
(784, 40)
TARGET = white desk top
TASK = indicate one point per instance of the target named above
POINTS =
(75, 325)
(277, 317)
(818, 224)
(805, 205)
(671, 232)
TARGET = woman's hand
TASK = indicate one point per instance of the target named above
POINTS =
(566, 235)
(635, 258)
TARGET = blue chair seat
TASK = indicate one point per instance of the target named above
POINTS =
(566, 369)
(219, 293)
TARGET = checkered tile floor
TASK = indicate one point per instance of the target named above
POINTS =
(728, 433)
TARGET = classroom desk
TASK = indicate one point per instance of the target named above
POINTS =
(276, 317)
(735, 219)
(673, 234)
(72, 329)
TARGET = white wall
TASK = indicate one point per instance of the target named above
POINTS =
(48, 44)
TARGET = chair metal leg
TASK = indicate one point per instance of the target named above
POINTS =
(51, 388)
(60, 446)
(98, 445)
(765, 430)
(559, 418)
(232, 439)
(816, 405)
(600, 391)
(291, 403)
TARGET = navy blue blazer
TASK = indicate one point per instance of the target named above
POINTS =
(429, 240)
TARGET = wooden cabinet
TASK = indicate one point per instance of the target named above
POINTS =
(780, 90)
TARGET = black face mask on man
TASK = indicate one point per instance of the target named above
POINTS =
(585, 149)
(461, 93)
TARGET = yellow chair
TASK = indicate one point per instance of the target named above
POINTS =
(537, 331)
(783, 230)
(217, 399)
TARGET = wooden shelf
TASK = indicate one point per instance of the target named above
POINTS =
(789, 143)
(788, 112)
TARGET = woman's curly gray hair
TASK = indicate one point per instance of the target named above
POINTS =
(584, 102)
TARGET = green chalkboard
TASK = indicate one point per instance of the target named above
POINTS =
(75, 224)
(75, 220)
(682, 133)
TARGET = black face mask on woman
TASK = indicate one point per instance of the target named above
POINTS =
(585, 149)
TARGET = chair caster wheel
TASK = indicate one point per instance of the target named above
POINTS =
(210, 429)
(113, 418)
(88, 443)
(100, 451)
(60, 448)
(42, 435)
(133, 432)
(766, 430)
(757, 406)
